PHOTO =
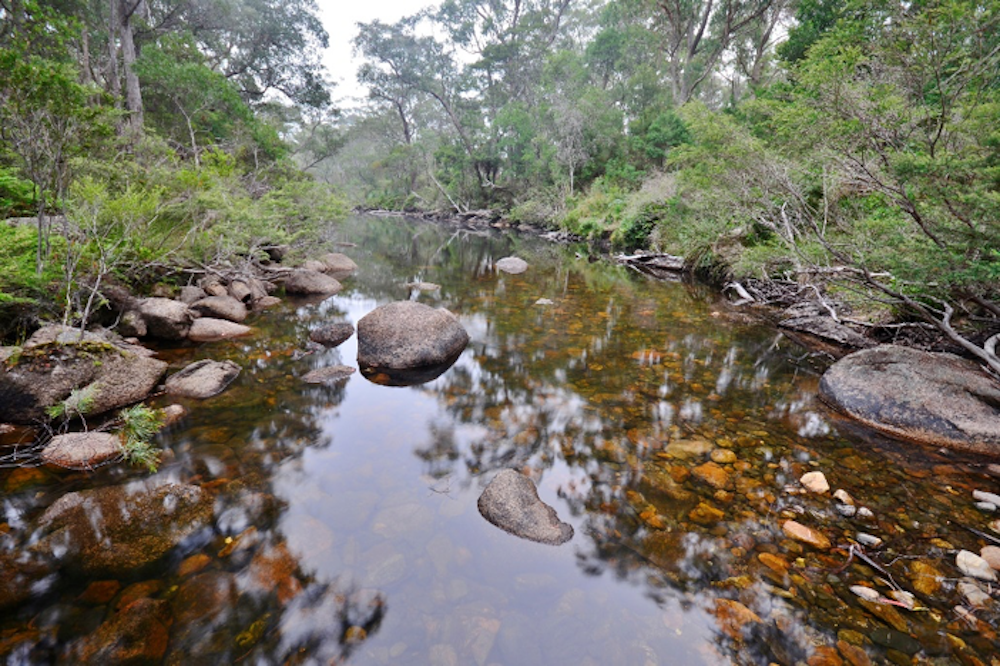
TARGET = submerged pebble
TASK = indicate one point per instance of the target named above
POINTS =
(973, 565)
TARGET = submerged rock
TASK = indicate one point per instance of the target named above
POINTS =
(512, 265)
(331, 375)
(82, 450)
(107, 372)
(408, 335)
(202, 379)
(807, 535)
(332, 335)
(815, 482)
(973, 565)
(936, 399)
(422, 286)
(136, 634)
(118, 529)
(510, 501)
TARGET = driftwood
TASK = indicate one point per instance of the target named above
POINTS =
(654, 264)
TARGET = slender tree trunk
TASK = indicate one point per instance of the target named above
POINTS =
(42, 249)
(133, 94)
(87, 74)
(114, 75)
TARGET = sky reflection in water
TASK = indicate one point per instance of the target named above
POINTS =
(668, 433)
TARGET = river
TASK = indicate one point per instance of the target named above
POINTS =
(669, 430)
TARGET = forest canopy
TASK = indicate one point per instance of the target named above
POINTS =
(850, 145)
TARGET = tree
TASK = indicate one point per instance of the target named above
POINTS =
(259, 45)
(904, 99)
(45, 120)
(698, 33)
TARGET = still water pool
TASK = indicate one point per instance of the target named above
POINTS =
(670, 432)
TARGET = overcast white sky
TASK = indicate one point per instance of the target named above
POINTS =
(339, 17)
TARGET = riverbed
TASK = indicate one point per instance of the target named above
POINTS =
(666, 426)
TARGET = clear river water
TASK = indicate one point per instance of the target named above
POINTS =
(667, 428)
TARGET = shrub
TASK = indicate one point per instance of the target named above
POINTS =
(139, 424)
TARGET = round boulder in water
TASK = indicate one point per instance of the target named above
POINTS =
(511, 502)
(221, 307)
(308, 283)
(332, 335)
(338, 265)
(202, 379)
(407, 335)
(512, 265)
(82, 450)
(207, 329)
(936, 399)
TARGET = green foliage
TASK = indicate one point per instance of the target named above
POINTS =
(78, 404)
(139, 425)
(814, 18)
(596, 213)
(19, 279)
(17, 196)
(196, 107)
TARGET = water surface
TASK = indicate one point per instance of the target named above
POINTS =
(667, 429)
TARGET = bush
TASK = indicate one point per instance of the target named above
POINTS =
(139, 425)
(17, 196)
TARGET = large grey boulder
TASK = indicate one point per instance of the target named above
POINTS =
(207, 329)
(338, 265)
(510, 501)
(512, 265)
(313, 265)
(309, 283)
(202, 379)
(937, 399)
(407, 335)
(191, 294)
(118, 529)
(82, 450)
(107, 372)
(166, 318)
(221, 307)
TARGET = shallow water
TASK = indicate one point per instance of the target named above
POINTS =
(668, 431)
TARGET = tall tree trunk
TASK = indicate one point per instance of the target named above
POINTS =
(133, 94)
(86, 73)
(114, 75)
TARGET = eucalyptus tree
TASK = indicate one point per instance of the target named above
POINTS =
(698, 33)
(262, 46)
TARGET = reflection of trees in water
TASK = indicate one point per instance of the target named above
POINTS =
(602, 381)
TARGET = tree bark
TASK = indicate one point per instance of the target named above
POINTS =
(133, 93)
(114, 74)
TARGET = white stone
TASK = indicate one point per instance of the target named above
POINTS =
(972, 565)
(869, 540)
(843, 497)
(974, 594)
(866, 593)
(983, 496)
(815, 482)
(992, 556)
